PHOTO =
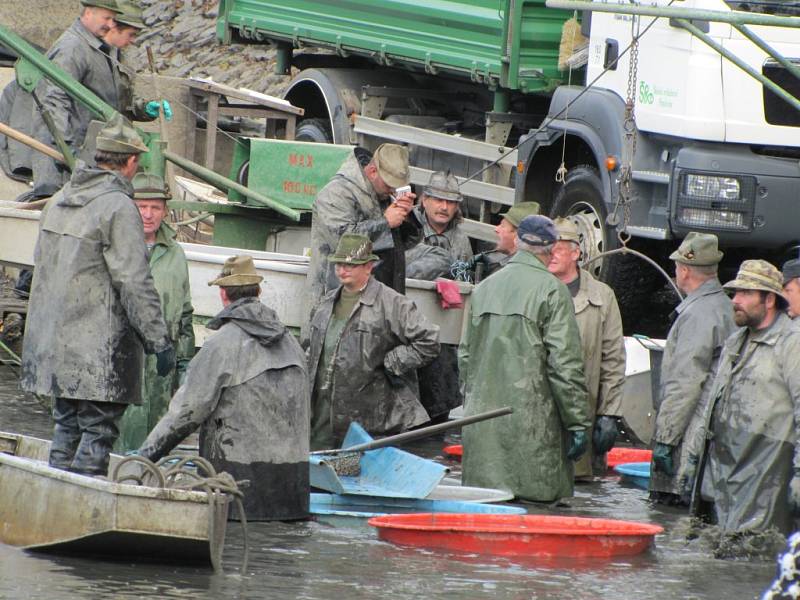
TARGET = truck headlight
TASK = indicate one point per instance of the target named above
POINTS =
(715, 202)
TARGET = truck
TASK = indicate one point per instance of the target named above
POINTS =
(679, 118)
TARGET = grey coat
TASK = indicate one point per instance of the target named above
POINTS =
(752, 423)
(93, 304)
(374, 367)
(247, 391)
(432, 257)
(693, 348)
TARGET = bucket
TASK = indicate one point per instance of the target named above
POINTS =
(620, 456)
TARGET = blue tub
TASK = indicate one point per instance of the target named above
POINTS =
(637, 473)
(344, 505)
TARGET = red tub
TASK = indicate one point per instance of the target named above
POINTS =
(456, 451)
(620, 456)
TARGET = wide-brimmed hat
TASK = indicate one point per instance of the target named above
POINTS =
(391, 160)
(443, 185)
(698, 249)
(567, 230)
(130, 14)
(519, 211)
(791, 269)
(537, 230)
(757, 275)
(119, 136)
(148, 186)
(353, 249)
(237, 271)
(109, 4)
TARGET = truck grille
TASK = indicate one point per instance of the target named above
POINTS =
(776, 110)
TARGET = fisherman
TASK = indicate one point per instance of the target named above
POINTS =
(704, 320)
(93, 305)
(443, 243)
(247, 391)
(602, 342)
(170, 273)
(506, 232)
(359, 199)
(751, 460)
(521, 348)
(443, 240)
(791, 286)
(366, 343)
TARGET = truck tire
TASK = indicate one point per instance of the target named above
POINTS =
(314, 130)
(581, 197)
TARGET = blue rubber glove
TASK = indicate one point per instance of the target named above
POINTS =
(578, 444)
(605, 434)
(151, 109)
(662, 458)
(165, 361)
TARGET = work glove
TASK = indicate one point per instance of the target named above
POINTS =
(662, 458)
(151, 109)
(794, 492)
(605, 434)
(578, 444)
(689, 473)
(165, 361)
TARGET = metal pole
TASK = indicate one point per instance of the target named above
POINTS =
(788, 65)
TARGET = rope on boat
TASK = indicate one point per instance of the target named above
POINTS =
(184, 473)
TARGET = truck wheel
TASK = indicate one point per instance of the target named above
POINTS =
(314, 130)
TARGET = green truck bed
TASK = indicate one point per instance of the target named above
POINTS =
(508, 43)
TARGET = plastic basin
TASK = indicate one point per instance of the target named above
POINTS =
(455, 451)
(518, 535)
(619, 456)
(637, 473)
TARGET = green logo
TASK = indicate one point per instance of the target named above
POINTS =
(645, 95)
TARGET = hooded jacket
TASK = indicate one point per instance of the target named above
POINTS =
(434, 255)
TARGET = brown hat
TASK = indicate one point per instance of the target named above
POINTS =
(149, 186)
(757, 275)
(238, 271)
(698, 249)
(391, 160)
(567, 230)
(119, 136)
(519, 211)
(443, 185)
(353, 249)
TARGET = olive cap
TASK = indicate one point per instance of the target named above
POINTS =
(237, 271)
(698, 249)
(107, 4)
(519, 211)
(353, 249)
(567, 230)
(149, 186)
(391, 160)
(791, 269)
(757, 275)
(537, 230)
(130, 14)
(443, 185)
(119, 136)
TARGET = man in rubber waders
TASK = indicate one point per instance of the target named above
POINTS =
(170, 273)
(522, 348)
(93, 305)
(366, 344)
(602, 342)
(247, 391)
(703, 321)
(791, 286)
(745, 456)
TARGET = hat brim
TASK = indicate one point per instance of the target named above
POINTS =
(236, 280)
(749, 284)
(352, 261)
(443, 195)
(392, 181)
(677, 257)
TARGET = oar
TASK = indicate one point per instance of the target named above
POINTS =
(407, 436)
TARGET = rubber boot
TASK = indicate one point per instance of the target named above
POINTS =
(98, 425)
(66, 433)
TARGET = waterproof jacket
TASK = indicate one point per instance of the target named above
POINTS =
(93, 303)
(247, 390)
(694, 344)
(374, 380)
(15, 110)
(453, 244)
(603, 346)
(349, 204)
(170, 273)
(521, 348)
(751, 421)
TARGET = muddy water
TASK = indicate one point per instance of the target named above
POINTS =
(336, 558)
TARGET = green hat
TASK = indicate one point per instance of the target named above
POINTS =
(119, 136)
(391, 160)
(519, 211)
(353, 249)
(567, 230)
(130, 14)
(150, 186)
(109, 4)
(757, 275)
(698, 249)
(237, 271)
(443, 185)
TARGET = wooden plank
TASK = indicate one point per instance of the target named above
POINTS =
(211, 130)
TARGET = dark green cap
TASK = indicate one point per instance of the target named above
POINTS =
(149, 185)
(519, 211)
(109, 4)
(119, 136)
(130, 14)
(353, 249)
(698, 249)
(238, 271)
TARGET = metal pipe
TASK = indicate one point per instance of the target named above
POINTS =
(30, 142)
(767, 83)
(226, 184)
(676, 13)
(787, 64)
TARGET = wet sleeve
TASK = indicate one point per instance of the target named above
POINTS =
(125, 257)
(612, 363)
(464, 355)
(562, 342)
(337, 210)
(419, 338)
(57, 102)
(185, 350)
(790, 356)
